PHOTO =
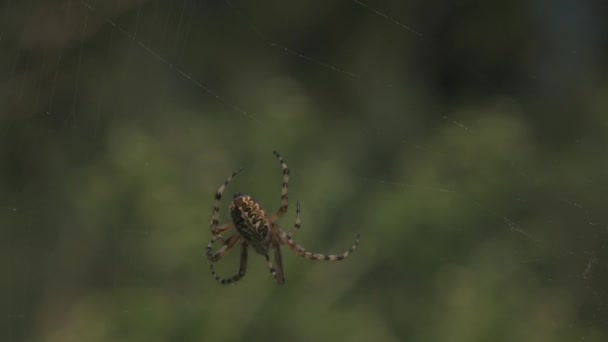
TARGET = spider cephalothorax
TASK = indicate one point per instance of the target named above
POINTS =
(257, 228)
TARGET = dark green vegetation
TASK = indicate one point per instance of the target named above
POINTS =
(472, 160)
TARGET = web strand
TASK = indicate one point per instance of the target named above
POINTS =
(169, 64)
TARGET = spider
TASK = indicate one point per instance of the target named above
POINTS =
(258, 229)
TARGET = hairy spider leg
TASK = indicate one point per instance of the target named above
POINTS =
(228, 245)
(298, 223)
(216, 205)
(222, 229)
(273, 270)
(278, 261)
(301, 251)
(284, 200)
(241, 272)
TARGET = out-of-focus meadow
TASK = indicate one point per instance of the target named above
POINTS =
(467, 144)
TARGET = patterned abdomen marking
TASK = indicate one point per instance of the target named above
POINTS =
(251, 222)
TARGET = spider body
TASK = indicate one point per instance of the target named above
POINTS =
(251, 222)
(258, 228)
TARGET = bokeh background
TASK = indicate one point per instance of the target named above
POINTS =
(465, 141)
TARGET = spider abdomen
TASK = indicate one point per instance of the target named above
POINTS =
(251, 222)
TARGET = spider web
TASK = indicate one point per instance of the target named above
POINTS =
(465, 142)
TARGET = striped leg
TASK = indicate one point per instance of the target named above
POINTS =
(228, 245)
(273, 271)
(242, 268)
(215, 216)
(286, 238)
(298, 224)
(284, 204)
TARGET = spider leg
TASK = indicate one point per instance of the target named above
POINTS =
(242, 268)
(278, 260)
(228, 245)
(284, 201)
(222, 229)
(299, 250)
(296, 226)
(215, 216)
(273, 271)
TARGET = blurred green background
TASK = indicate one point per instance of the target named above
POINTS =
(465, 141)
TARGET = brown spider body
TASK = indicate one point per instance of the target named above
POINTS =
(257, 228)
(251, 222)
